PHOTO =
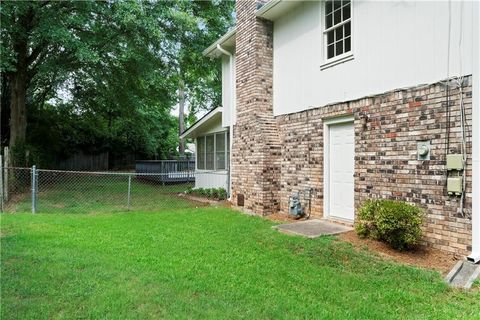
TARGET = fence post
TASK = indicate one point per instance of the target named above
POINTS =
(1, 183)
(129, 190)
(34, 189)
(6, 180)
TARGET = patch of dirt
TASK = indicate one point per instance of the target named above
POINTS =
(277, 217)
(281, 217)
(205, 201)
(424, 257)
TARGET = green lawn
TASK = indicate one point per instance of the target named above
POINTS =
(207, 263)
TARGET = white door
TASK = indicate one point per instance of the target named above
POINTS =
(341, 170)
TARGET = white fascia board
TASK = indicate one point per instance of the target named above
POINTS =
(275, 9)
(190, 132)
(228, 39)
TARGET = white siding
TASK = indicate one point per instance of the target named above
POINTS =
(395, 45)
(228, 116)
(214, 127)
(217, 179)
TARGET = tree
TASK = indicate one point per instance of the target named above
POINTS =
(199, 24)
(106, 70)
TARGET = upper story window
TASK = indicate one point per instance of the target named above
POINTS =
(338, 27)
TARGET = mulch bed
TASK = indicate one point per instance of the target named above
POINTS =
(424, 257)
(280, 217)
(205, 201)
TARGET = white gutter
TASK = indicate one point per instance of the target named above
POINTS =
(475, 254)
(226, 37)
(232, 110)
(267, 7)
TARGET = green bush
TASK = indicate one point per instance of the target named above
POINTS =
(394, 222)
(211, 193)
(222, 194)
(214, 193)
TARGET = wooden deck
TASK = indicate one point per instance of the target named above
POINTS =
(167, 171)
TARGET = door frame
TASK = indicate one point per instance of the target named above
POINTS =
(326, 159)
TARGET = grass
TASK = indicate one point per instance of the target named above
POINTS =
(206, 263)
(90, 194)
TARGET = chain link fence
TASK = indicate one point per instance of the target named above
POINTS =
(56, 191)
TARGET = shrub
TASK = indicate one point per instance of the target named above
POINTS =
(212, 193)
(394, 222)
(208, 193)
(222, 194)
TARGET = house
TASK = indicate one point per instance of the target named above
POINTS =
(351, 100)
(212, 132)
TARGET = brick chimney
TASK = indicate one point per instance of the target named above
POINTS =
(256, 147)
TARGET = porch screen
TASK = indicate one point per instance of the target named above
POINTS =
(201, 153)
(220, 150)
(210, 152)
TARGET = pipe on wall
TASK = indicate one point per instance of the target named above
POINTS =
(475, 254)
(232, 110)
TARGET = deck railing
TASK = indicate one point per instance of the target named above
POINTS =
(170, 170)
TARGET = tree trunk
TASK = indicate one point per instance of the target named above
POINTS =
(181, 116)
(18, 93)
(4, 110)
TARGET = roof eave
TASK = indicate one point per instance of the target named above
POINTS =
(190, 131)
(228, 37)
(275, 9)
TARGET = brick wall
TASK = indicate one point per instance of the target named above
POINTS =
(256, 148)
(272, 157)
(386, 164)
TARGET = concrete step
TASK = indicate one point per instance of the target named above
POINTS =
(312, 228)
(463, 274)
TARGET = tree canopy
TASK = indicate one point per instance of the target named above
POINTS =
(104, 76)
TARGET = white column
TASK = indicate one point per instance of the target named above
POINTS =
(475, 255)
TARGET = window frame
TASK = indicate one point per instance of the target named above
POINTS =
(226, 151)
(345, 56)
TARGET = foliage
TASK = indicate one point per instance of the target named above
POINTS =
(211, 193)
(205, 263)
(394, 222)
(103, 75)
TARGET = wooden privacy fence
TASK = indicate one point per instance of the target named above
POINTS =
(171, 170)
(83, 162)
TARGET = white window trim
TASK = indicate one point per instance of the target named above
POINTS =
(326, 158)
(344, 57)
(214, 152)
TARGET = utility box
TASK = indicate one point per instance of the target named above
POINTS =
(454, 186)
(423, 150)
(454, 162)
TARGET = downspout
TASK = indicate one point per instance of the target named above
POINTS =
(232, 110)
(475, 254)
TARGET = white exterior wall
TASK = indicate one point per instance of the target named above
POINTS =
(217, 179)
(228, 92)
(210, 178)
(215, 127)
(395, 44)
